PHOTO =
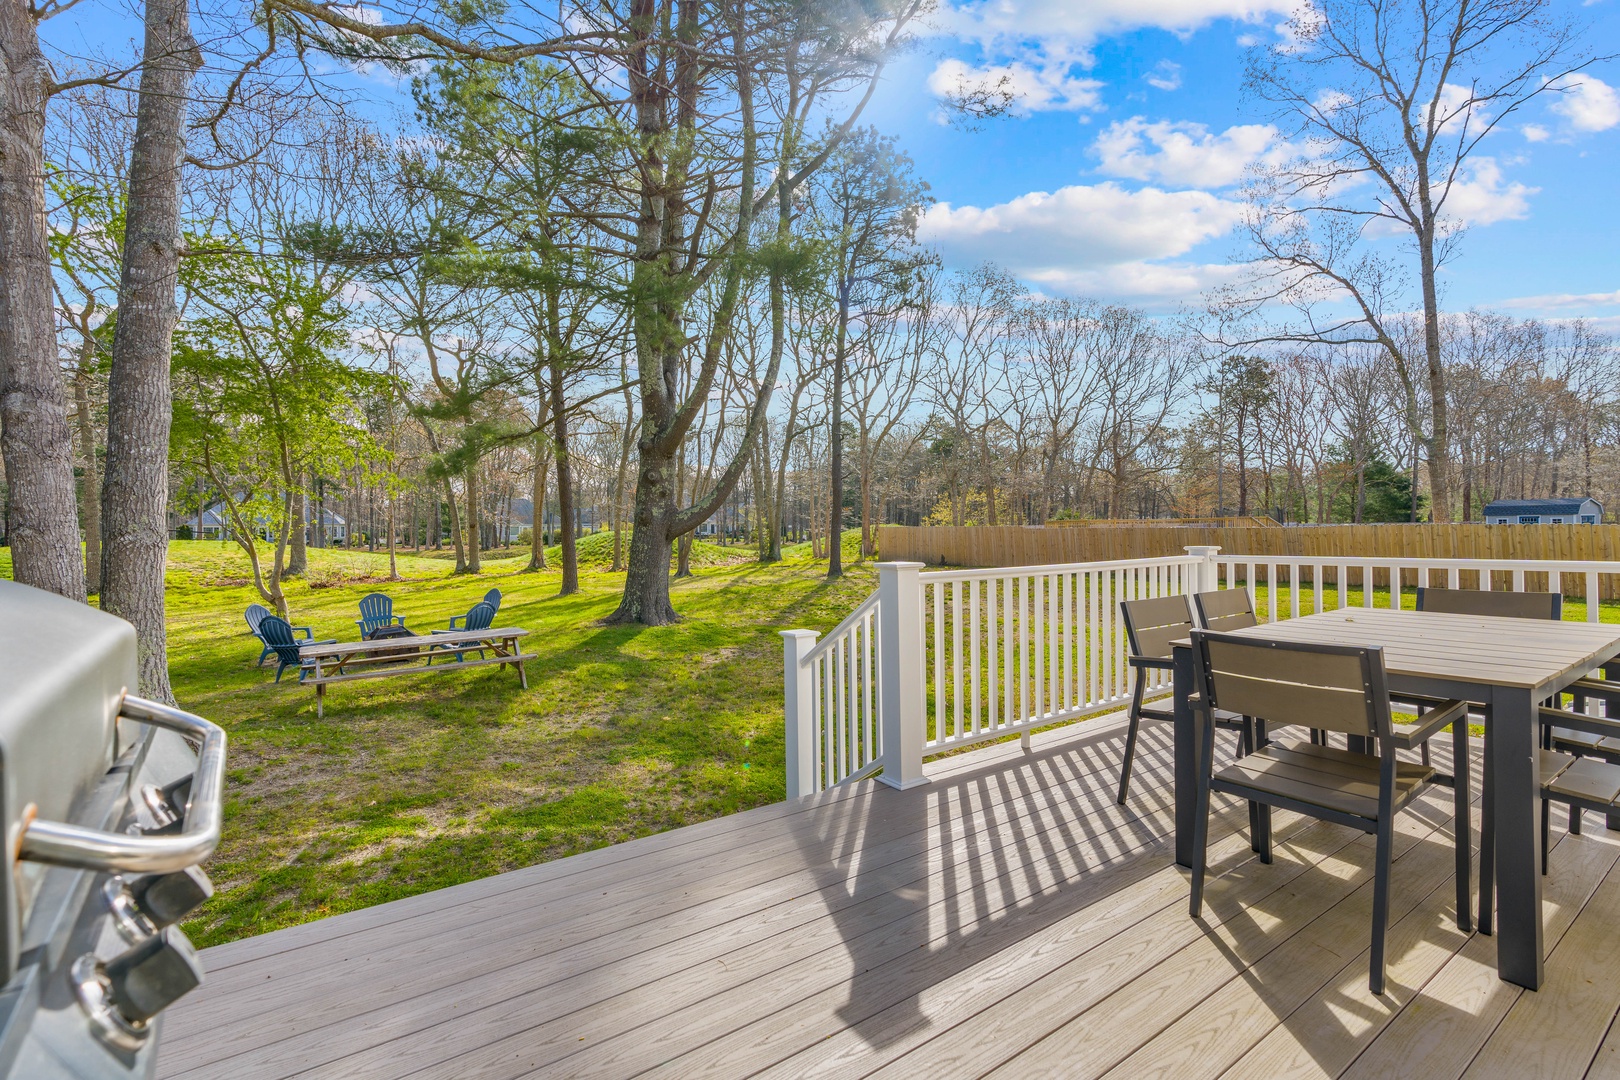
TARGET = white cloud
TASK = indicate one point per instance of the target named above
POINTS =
(996, 23)
(1535, 133)
(1166, 75)
(1097, 238)
(1043, 88)
(1484, 197)
(1587, 103)
(1183, 153)
(1555, 301)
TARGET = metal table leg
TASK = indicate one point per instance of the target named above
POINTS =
(1512, 747)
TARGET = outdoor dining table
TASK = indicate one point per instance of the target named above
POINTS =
(1507, 665)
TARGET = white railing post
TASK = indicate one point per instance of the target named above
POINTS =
(799, 709)
(902, 717)
(1208, 578)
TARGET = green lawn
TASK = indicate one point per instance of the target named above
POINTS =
(416, 783)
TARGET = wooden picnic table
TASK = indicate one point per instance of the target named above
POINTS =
(1507, 665)
(345, 661)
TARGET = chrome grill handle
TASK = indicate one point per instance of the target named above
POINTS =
(62, 844)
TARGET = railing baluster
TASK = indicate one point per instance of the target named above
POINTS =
(939, 661)
(973, 649)
(956, 658)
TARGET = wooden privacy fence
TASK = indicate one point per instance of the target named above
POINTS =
(1036, 545)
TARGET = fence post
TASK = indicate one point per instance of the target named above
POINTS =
(799, 709)
(901, 715)
(1208, 579)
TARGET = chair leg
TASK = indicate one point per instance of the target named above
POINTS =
(1423, 753)
(1380, 913)
(1574, 820)
(1200, 850)
(1262, 814)
(1546, 833)
(1130, 743)
(1487, 848)
(1462, 829)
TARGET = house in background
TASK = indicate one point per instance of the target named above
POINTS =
(214, 523)
(1544, 512)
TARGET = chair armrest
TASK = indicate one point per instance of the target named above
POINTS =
(1440, 718)
(452, 630)
(308, 633)
(1574, 721)
(455, 619)
(1156, 663)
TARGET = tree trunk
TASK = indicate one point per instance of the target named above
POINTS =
(138, 397)
(35, 437)
(1438, 444)
(298, 556)
(646, 582)
(835, 510)
(565, 481)
(537, 494)
(474, 563)
(455, 527)
(90, 486)
(393, 558)
(625, 445)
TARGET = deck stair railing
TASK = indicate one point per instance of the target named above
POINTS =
(938, 660)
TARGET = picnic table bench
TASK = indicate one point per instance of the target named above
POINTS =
(345, 661)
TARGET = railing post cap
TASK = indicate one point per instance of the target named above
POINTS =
(1202, 549)
(900, 565)
(800, 634)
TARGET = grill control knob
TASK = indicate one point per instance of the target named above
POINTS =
(152, 974)
(165, 899)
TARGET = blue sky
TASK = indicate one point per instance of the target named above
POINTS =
(1115, 176)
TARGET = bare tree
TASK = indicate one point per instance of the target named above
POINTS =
(1389, 103)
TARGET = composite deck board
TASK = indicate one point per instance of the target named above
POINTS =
(1007, 916)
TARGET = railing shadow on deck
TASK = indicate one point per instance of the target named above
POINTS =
(925, 883)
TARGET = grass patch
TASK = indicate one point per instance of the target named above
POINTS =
(422, 782)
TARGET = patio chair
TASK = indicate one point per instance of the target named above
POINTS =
(492, 598)
(481, 616)
(1334, 687)
(1496, 605)
(255, 615)
(1225, 610)
(1150, 627)
(376, 611)
(1581, 781)
(278, 635)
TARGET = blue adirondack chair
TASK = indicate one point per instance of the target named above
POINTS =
(255, 615)
(492, 598)
(481, 616)
(376, 612)
(278, 636)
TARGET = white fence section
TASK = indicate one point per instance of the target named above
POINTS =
(937, 660)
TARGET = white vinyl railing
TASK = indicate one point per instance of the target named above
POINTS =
(938, 660)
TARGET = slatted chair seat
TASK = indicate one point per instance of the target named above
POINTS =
(1324, 776)
(1581, 783)
(1327, 688)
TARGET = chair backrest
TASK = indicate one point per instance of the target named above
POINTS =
(1151, 625)
(255, 615)
(493, 599)
(480, 616)
(1331, 687)
(376, 607)
(279, 636)
(1225, 610)
(1507, 605)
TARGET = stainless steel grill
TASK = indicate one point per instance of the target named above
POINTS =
(109, 803)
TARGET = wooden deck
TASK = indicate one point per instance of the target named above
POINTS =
(1006, 919)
